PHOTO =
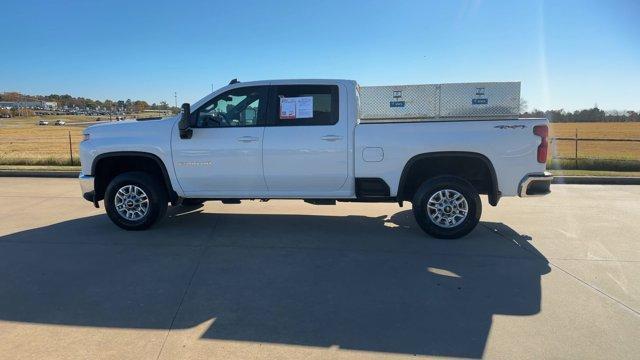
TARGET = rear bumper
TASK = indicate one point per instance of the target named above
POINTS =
(87, 187)
(536, 184)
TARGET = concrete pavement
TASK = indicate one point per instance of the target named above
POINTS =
(557, 276)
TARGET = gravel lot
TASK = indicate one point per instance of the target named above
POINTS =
(555, 277)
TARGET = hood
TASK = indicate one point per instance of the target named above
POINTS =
(131, 128)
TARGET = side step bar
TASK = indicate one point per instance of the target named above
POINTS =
(320, 201)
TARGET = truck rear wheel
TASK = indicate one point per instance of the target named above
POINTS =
(135, 200)
(447, 207)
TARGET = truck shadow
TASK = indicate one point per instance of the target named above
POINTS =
(354, 282)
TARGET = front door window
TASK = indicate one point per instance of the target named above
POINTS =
(234, 108)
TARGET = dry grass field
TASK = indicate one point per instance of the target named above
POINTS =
(628, 130)
(23, 142)
(597, 149)
(39, 146)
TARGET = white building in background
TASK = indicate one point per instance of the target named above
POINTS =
(35, 104)
(51, 105)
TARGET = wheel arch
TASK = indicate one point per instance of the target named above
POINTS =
(133, 163)
(492, 190)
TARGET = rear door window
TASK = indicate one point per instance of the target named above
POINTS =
(300, 105)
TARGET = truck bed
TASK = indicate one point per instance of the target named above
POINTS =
(382, 148)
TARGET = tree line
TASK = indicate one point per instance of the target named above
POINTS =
(586, 115)
(70, 102)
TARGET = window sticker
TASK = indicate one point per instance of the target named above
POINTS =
(304, 107)
(296, 107)
(287, 108)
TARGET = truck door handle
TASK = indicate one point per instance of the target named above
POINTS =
(331, 138)
(248, 139)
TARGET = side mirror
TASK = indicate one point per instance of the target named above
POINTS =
(185, 123)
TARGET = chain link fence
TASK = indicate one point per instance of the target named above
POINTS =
(49, 145)
(31, 147)
(591, 153)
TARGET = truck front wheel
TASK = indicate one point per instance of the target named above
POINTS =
(447, 207)
(135, 200)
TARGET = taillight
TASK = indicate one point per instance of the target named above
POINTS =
(543, 132)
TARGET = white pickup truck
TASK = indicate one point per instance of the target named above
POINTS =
(305, 139)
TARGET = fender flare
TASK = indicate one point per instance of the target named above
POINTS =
(494, 193)
(173, 196)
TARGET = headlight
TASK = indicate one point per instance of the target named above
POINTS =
(85, 137)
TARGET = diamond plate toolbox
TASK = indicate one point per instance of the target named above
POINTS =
(398, 102)
(440, 101)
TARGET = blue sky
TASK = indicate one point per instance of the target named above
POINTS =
(568, 54)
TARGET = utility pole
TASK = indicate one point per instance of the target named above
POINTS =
(576, 154)
(211, 87)
(70, 149)
(175, 98)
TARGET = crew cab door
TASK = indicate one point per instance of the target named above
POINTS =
(305, 150)
(224, 155)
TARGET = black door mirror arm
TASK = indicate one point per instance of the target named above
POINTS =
(186, 123)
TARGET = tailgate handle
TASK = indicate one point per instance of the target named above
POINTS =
(331, 138)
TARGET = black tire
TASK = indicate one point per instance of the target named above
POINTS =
(192, 202)
(432, 186)
(154, 190)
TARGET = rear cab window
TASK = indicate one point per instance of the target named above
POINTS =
(301, 105)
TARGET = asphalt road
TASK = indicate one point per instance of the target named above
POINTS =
(552, 277)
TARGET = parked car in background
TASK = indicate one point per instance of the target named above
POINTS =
(43, 122)
(60, 122)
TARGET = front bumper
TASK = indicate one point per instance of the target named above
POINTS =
(536, 184)
(87, 186)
